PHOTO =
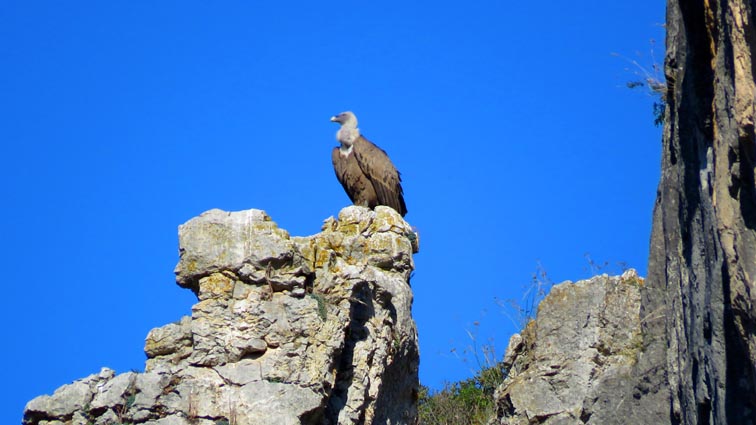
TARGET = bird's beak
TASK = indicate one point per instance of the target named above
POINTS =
(334, 118)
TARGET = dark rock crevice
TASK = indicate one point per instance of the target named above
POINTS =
(699, 225)
(360, 311)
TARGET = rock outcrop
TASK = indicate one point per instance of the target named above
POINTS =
(287, 330)
(579, 349)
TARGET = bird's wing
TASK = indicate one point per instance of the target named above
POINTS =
(386, 180)
(353, 180)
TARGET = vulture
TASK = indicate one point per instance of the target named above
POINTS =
(364, 170)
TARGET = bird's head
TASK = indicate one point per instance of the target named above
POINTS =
(345, 119)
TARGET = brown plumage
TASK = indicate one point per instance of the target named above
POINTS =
(364, 170)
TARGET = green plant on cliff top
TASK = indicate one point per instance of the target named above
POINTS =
(467, 402)
(652, 80)
(470, 401)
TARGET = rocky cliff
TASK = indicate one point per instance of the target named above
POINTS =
(287, 330)
(696, 362)
(699, 314)
(582, 346)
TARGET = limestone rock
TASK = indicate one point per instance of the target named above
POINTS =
(585, 337)
(67, 399)
(311, 330)
(247, 243)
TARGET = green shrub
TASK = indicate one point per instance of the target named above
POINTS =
(468, 402)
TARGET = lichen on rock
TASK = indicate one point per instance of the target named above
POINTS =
(286, 330)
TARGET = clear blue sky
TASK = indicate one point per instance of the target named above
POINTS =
(516, 137)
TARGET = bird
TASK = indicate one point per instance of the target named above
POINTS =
(365, 170)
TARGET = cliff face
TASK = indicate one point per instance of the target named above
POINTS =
(286, 331)
(697, 358)
(698, 312)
